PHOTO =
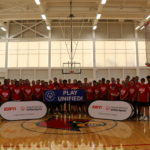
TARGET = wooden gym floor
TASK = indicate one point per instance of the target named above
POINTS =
(74, 132)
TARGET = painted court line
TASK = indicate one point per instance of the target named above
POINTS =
(104, 146)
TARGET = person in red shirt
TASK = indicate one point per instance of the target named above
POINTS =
(113, 82)
(38, 91)
(33, 84)
(108, 83)
(69, 84)
(132, 92)
(119, 86)
(89, 93)
(113, 93)
(74, 105)
(85, 83)
(75, 85)
(51, 105)
(28, 91)
(60, 82)
(137, 83)
(127, 80)
(62, 105)
(148, 85)
(55, 80)
(124, 92)
(4, 94)
(143, 100)
(16, 92)
(12, 85)
(96, 89)
(50, 85)
(103, 90)
(133, 97)
(22, 84)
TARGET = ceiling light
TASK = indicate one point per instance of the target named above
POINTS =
(37, 2)
(142, 27)
(98, 16)
(103, 2)
(4, 29)
(137, 27)
(43, 16)
(48, 27)
(148, 17)
(94, 27)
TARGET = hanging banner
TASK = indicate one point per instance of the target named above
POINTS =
(113, 110)
(23, 110)
(64, 95)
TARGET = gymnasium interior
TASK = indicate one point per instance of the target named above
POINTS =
(93, 40)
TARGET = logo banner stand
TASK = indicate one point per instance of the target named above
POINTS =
(23, 110)
(111, 110)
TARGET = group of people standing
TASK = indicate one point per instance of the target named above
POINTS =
(131, 90)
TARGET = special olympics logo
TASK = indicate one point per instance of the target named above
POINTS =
(22, 108)
(50, 96)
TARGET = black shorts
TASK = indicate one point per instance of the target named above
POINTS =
(143, 104)
(88, 102)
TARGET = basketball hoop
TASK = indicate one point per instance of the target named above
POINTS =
(71, 68)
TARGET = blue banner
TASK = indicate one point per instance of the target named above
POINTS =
(64, 95)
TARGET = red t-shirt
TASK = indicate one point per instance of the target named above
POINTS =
(28, 92)
(132, 93)
(64, 87)
(148, 86)
(16, 94)
(119, 86)
(4, 96)
(22, 87)
(138, 84)
(38, 92)
(143, 93)
(89, 93)
(112, 84)
(124, 93)
(11, 87)
(70, 86)
(50, 86)
(97, 93)
(103, 91)
(75, 87)
(113, 93)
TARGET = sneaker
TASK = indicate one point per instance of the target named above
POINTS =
(141, 118)
(145, 118)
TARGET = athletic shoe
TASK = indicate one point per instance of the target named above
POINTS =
(145, 118)
(141, 118)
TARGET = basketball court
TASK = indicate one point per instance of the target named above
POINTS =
(74, 132)
(44, 40)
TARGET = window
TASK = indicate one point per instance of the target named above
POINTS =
(142, 53)
(28, 54)
(115, 54)
(2, 54)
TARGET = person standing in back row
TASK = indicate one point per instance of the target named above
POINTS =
(143, 100)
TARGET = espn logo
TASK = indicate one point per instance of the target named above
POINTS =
(9, 108)
(97, 107)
